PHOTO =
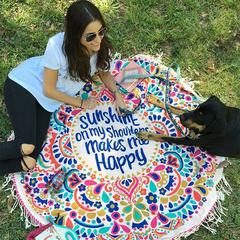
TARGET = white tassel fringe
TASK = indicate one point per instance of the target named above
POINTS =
(215, 216)
(24, 215)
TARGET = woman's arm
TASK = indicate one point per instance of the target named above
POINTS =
(49, 88)
(111, 85)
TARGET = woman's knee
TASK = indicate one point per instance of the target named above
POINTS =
(28, 163)
(27, 149)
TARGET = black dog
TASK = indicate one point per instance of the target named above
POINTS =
(217, 127)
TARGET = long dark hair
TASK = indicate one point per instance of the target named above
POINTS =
(79, 15)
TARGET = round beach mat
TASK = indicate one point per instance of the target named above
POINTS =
(118, 186)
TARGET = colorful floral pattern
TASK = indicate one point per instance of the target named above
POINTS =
(171, 195)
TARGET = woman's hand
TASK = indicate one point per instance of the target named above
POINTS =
(120, 103)
(110, 83)
(89, 103)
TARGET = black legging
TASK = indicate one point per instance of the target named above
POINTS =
(30, 123)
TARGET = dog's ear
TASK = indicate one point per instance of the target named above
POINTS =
(218, 126)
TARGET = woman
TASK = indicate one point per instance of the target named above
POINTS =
(39, 85)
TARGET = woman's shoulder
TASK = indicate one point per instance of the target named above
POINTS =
(57, 39)
(54, 56)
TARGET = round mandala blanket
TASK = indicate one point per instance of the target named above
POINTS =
(118, 186)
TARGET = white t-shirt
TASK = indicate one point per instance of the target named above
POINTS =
(29, 74)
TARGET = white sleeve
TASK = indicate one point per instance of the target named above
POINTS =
(51, 57)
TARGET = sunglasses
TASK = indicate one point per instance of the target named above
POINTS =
(92, 36)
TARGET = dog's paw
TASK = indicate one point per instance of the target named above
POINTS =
(155, 101)
(149, 136)
(143, 135)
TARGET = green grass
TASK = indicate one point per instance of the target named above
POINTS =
(202, 36)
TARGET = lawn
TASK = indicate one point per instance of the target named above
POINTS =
(202, 36)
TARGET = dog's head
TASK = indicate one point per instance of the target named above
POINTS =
(209, 116)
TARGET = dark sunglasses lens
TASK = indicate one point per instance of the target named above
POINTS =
(93, 36)
(102, 32)
(90, 37)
